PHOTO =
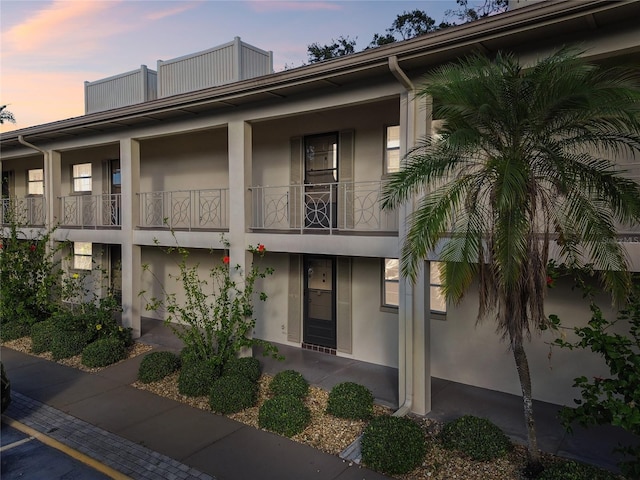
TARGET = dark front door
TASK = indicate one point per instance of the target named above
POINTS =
(320, 301)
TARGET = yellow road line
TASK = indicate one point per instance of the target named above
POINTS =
(87, 460)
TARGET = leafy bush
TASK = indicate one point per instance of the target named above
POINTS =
(42, 336)
(393, 445)
(284, 414)
(13, 330)
(478, 438)
(232, 393)
(67, 343)
(289, 382)
(103, 352)
(570, 470)
(157, 365)
(350, 400)
(197, 376)
(5, 395)
(248, 367)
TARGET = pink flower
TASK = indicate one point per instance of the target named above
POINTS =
(32, 248)
(226, 259)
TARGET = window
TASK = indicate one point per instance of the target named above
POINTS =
(392, 149)
(391, 283)
(437, 300)
(82, 255)
(82, 177)
(35, 181)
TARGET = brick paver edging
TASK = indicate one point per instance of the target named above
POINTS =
(131, 459)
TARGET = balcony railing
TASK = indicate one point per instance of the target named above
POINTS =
(26, 211)
(185, 209)
(325, 207)
(91, 211)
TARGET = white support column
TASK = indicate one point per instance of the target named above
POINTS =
(53, 175)
(240, 159)
(131, 254)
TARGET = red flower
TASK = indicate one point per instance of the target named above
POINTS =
(225, 259)
(32, 248)
(261, 248)
(549, 281)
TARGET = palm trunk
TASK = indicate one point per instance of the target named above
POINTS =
(522, 365)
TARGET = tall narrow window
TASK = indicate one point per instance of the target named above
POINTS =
(437, 300)
(82, 255)
(391, 283)
(392, 149)
(35, 181)
(82, 177)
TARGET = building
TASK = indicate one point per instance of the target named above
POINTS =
(295, 160)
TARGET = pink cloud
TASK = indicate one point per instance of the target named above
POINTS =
(173, 11)
(58, 21)
(269, 6)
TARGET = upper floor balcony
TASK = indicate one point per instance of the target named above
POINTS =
(185, 209)
(91, 211)
(26, 211)
(331, 208)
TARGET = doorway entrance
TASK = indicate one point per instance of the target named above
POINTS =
(320, 177)
(320, 301)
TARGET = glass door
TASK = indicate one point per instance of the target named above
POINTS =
(320, 302)
(321, 175)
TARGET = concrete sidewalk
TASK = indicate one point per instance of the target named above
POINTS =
(149, 437)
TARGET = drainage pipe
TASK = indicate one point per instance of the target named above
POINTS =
(405, 365)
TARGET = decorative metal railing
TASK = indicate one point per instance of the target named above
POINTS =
(327, 207)
(185, 209)
(91, 211)
(26, 211)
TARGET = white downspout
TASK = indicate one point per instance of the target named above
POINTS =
(405, 312)
(48, 178)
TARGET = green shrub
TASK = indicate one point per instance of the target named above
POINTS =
(103, 352)
(232, 393)
(65, 343)
(248, 367)
(478, 438)
(12, 330)
(42, 336)
(393, 445)
(197, 376)
(350, 400)
(289, 382)
(570, 470)
(284, 414)
(157, 365)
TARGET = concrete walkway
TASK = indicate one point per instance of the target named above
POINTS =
(149, 437)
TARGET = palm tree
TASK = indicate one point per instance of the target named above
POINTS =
(524, 158)
(6, 115)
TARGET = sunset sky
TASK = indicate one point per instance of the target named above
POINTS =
(50, 48)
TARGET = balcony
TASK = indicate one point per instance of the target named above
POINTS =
(91, 211)
(185, 209)
(331, 208)
(26, 211)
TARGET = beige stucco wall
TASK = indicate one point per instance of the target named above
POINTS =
(190, 161)
(20, 168)
(96, 156)
(474, 354)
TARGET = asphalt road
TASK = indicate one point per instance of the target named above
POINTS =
(23, 457)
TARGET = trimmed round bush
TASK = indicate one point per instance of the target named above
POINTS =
(478, 438)
(393, 445)
(248, 367)
(42, 336)
(197, 376)
(289, 382)
(284, 414)
(13, 330)
(103, 352)
(157, 365)
(570, 470)
(232, 393)
(350, 400)
(65, 344)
